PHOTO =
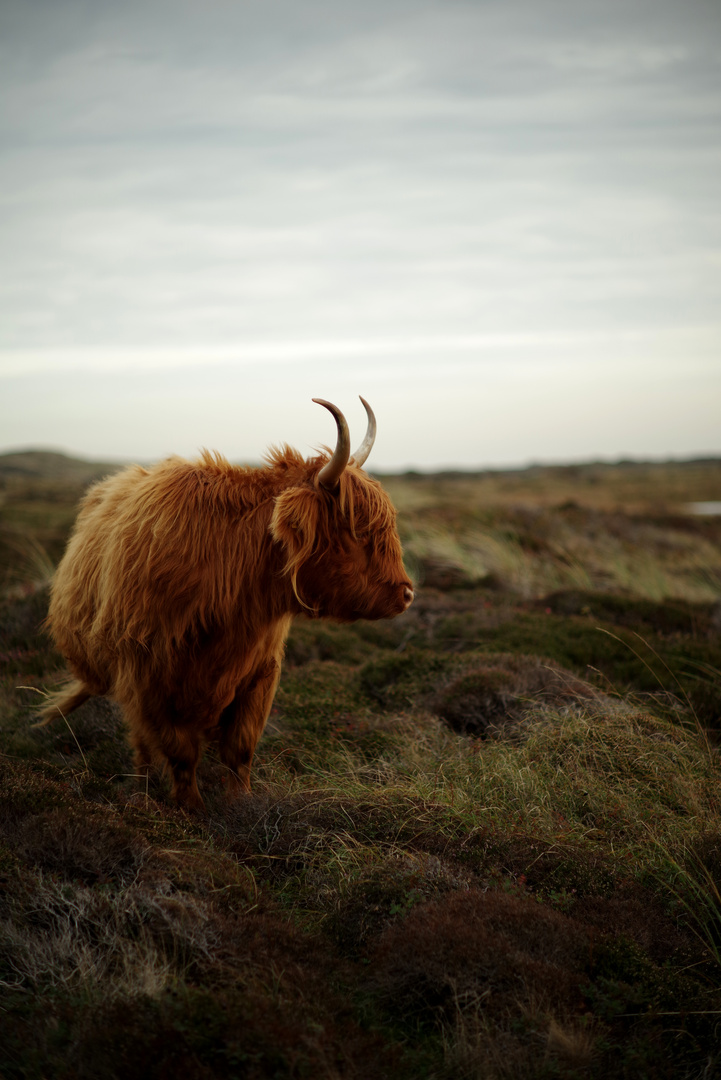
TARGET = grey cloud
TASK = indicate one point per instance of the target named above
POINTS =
(234, 176)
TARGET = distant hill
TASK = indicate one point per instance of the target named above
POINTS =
(50, 465)
(680, 479)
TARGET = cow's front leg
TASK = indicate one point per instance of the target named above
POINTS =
(241, 725)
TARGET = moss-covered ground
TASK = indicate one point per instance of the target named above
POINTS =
(484, 839)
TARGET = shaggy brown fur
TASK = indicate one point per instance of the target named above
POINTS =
(179, 584)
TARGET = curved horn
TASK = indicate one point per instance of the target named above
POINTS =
(366, 446)
(330, 474)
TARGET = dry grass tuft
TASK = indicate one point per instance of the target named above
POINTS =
(497, 691)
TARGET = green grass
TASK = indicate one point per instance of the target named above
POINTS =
(484, 839)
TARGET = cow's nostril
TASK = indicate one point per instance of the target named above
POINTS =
(408, 595)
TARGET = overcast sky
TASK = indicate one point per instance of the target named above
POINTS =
(498, 221)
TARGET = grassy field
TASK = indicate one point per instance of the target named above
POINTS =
(484, 839)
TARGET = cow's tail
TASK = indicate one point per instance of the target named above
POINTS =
(63, 701)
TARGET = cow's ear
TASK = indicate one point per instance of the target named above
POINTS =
(295, 522)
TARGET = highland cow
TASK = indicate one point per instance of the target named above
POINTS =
(180, 582)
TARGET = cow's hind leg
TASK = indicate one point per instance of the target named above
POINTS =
(185, 783)
(143, 756)
(181, 747)
(178, 745)
(241, 725)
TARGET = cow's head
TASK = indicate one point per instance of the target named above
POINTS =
(338, 530)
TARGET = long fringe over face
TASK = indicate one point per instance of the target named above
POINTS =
(312, 521)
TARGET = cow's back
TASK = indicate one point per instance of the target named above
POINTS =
(156, 557)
